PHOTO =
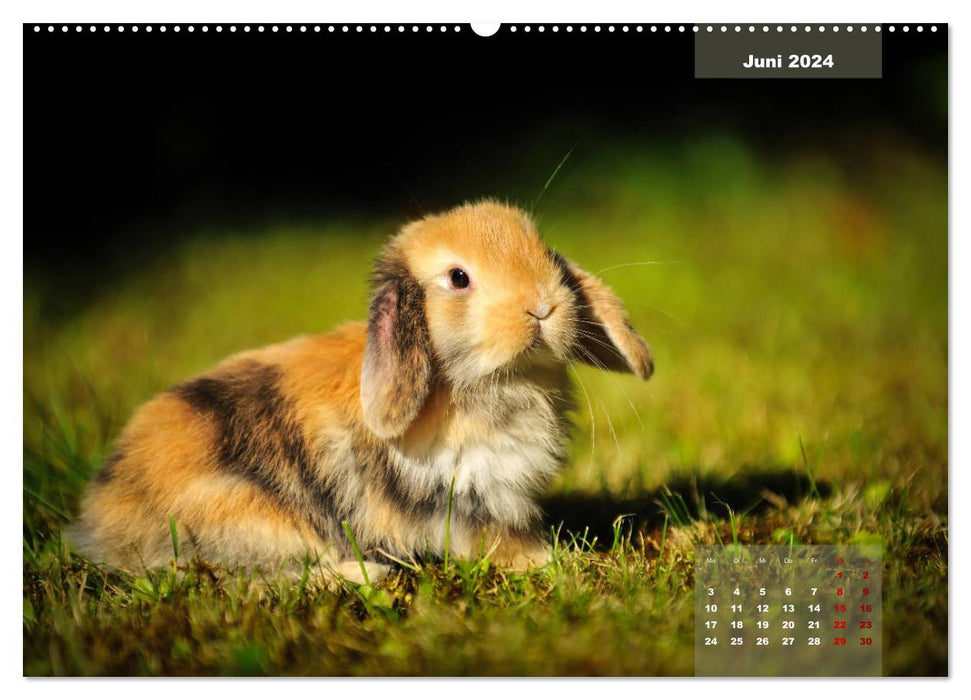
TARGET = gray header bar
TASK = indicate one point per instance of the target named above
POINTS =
(788, 54)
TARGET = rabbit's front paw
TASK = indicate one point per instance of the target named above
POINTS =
(522, 555)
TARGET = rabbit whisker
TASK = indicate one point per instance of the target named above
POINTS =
(596, 340)
(596, 363)
(613, 433)
(553, 175)
(593, 420)
(639, 264)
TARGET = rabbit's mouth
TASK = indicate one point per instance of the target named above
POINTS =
(538, 340)
(541, 350)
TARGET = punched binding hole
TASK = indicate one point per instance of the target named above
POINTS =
(485, 29)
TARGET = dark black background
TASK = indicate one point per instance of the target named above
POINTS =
(132, 137)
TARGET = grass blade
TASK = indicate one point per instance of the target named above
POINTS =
(357, 551)
(448, 520)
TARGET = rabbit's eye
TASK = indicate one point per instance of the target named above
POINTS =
(458, 278)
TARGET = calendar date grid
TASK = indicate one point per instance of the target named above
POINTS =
(781, 611)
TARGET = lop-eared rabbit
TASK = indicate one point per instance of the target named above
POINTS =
(455, 389)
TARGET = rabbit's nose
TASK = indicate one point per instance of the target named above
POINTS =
(542, 311)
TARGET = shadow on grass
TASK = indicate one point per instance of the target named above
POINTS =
(682, 500)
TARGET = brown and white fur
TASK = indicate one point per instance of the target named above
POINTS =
(261, 459)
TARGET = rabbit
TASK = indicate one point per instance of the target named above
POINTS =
(442, 416)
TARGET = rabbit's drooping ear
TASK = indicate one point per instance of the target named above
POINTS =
(396, 373)
(605, 337)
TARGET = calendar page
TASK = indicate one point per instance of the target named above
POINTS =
(386, 346)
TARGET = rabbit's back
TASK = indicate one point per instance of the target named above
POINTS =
(239, 458)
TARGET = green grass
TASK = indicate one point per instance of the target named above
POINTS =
(797, 308)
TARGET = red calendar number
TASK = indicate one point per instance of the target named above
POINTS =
(866, 607)
(866, 641)
(839, 625)
(839, 641)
